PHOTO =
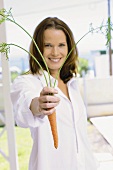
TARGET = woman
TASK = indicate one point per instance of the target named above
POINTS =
(32, 102)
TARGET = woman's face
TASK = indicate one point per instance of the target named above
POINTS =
(55, 49)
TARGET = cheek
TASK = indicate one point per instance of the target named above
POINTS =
(66, 52)
(46, 53)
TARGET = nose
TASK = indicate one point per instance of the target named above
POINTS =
(55, 51)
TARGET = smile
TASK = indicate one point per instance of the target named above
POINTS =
(55, 59)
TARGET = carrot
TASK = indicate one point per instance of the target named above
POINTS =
(53, 124)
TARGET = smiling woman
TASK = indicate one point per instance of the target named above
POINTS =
(55, 50)
(62, 43)
(33, 103)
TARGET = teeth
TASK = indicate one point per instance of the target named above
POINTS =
(55, 59)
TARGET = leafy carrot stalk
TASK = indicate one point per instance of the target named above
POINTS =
(53, 124)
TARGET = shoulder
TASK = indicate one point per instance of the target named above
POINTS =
(76, 86)
(73, 82)
(28, 80)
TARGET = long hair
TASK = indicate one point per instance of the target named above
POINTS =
(70, 65)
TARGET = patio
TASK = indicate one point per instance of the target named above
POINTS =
(101, 144)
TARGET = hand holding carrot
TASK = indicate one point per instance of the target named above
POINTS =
(45, 104)
(48, 101)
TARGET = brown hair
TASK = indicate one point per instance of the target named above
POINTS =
(70, 65)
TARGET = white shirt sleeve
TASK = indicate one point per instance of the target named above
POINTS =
(23, 90)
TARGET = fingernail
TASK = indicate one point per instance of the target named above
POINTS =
(56, 90)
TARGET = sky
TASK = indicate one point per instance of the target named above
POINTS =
(77, 14)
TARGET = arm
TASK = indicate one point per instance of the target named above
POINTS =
(30, 101)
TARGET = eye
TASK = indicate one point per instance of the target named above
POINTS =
(61, 45)
(47, 45)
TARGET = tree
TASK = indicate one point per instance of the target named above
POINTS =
(83, 66)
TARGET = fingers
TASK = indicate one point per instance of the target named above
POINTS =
(45, 104)
(47, 96)
(47, 112)
(48, 101)
(48, 90)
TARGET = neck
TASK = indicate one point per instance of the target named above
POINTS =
(55, 75)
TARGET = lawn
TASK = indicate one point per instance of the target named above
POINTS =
(24, 144)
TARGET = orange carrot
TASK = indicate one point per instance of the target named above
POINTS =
(53, 124)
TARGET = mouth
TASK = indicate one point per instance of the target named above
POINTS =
(56, 60)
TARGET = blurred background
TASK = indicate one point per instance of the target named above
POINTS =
(95, 65)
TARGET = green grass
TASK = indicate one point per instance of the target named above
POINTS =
(24, 145)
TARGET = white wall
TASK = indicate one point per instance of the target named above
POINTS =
(97, 94)
(102, 65)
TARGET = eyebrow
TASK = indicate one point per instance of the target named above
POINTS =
(50, 42)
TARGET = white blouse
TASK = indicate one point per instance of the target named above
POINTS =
(73, 152)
